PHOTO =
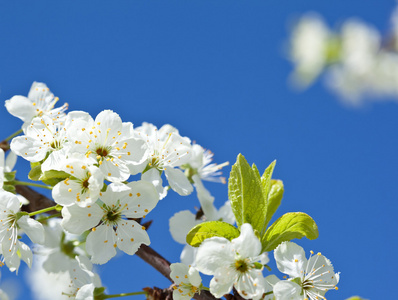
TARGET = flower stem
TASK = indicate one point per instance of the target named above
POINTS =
(13, 135)
(16, 182)
(49, 217)
(56, 207)
(124, 295)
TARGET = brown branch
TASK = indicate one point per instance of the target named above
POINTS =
(37, 201)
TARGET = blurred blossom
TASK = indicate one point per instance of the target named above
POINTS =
(359, 65)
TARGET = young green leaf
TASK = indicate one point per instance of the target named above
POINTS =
(245, 192)
(274, 199)
(210, 229)
(288, 227)
(35, 173)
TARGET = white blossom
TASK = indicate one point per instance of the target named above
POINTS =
(111, 142)
(187, 281)
(167, 151)
(234, 263)
(40, 102)
(110, 222)
(84, 185)
(308, 279)
(11, 223)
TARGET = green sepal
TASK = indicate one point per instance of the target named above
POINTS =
(9, 176)
(245, 193)
(20, 214)
(258, 265)
(54, 174)
(35, 171)
(99, 291)
(274, 199)
(288, 227)
(104, 187)
(9, 188)
(210, 229)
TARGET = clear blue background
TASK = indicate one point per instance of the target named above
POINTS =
(217, 70)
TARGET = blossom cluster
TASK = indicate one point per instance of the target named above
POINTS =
(105, 175)
(359, 61)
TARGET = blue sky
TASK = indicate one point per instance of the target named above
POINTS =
(217, 70)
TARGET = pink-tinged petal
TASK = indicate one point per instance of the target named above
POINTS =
(287, 290)
(130, 236)
(101, 244)
(178, 181)
(77, 220)
(33, 229)
(247, 244)
(180, 224)
(290, 259)
(21, 107)
(179, 273)
(213, 253)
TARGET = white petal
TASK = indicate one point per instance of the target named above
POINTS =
(28, 148)
(142, 199)
(178, 181)
(130, 236)
(32, 228)
(21, 107)
(219, 289)
(101, 244)
(153, 176)
(251, 285)
(188, 255)
(290, 259)
(10, 161)
(178, 273)
(287, 290)
(194, 277)
(26, 253)
(77, 219)
(247, 244)
(180, 224)
(86, 292)
(214, 253)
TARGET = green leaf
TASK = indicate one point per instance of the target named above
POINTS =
(35, 172)
(288, 227)
(246, 194)
(207, 230)
(274, 198)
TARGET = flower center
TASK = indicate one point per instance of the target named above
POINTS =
(241, 265)
(56, 145)
(102, 151)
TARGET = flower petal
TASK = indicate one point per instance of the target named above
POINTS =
(178, 181)
(101, 244)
